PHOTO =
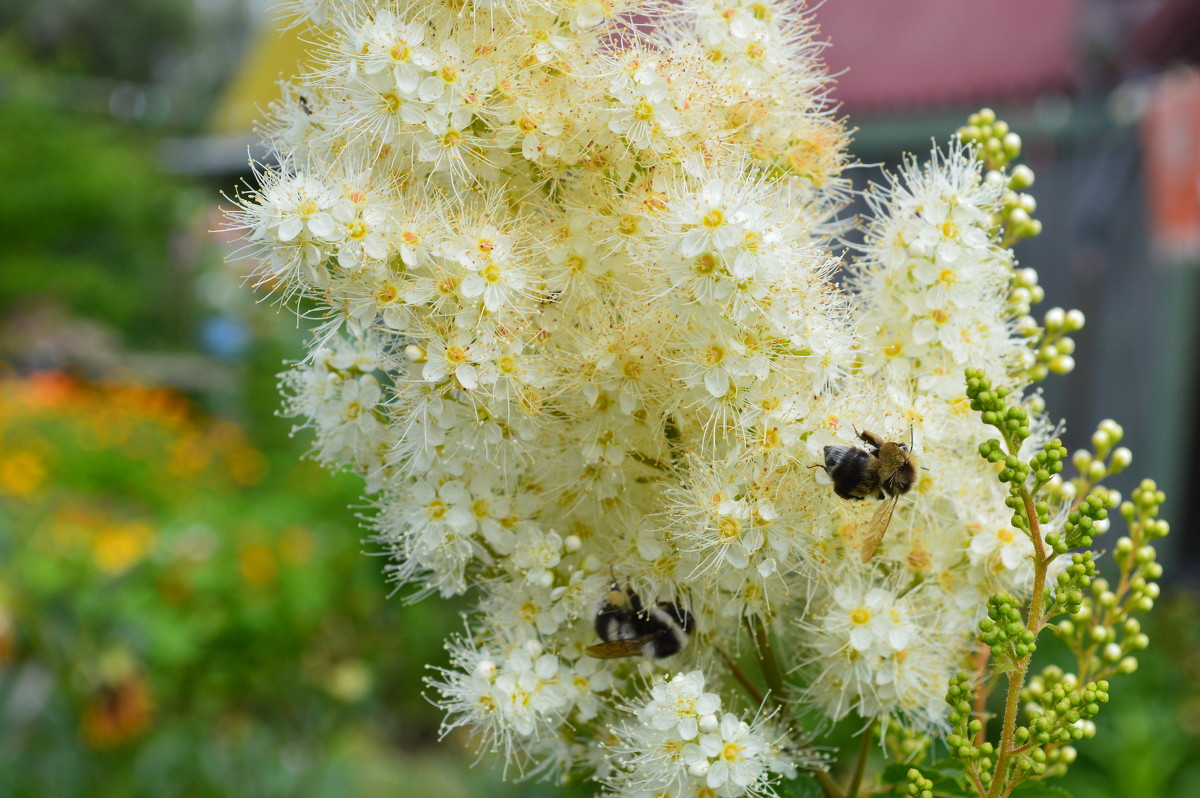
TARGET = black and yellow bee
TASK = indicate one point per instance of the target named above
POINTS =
(885, 470)
(629, 629)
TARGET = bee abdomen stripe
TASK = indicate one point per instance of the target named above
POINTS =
(849, 469)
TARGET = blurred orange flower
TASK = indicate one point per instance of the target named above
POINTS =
(117, 713)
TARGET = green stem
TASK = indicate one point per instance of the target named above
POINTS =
(860, 767)
(738, 674)
(767, 661)
(828, 784)
(646, 459)
(1016, 679)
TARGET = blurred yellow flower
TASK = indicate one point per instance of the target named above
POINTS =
(117, 547)
(189, 456)
(258, 565)
(297, 544)
(247, 466)
(21, 474)
(8, 636)
(349, 680)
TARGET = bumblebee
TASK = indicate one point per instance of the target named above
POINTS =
(885, 470)
(629, 629)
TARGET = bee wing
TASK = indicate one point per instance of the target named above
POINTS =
(877, 526)
(622, 648)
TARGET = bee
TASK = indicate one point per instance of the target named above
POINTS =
(885, 470)
(628, 629)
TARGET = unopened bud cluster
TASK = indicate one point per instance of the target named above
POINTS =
(918, 785)
(1058, 706)
(1060, 712)
(1102, 631)
(963, 740)
(1004, 629)
(998, 146)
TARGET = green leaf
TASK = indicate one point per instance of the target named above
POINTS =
(896, 773)
(1038, 789)
(803, 786)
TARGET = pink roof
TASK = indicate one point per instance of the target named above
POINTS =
(904, 53)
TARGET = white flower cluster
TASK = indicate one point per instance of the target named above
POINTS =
(573, 262)
(681, 744)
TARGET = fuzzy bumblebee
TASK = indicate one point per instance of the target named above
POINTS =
(885, 470)
(628, 629)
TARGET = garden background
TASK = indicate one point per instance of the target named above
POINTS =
(185, 604)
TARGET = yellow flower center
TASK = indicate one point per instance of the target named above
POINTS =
(706, 264)
(643, 111)
(860, 616)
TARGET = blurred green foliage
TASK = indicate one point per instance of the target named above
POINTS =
(183, 615)
(86, 216)
(123, 39)
(177, 53)
(1147, 741)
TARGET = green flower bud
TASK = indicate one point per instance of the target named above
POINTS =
(1120, 460)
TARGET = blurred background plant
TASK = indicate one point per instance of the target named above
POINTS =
(181, 614)
(185, 608)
